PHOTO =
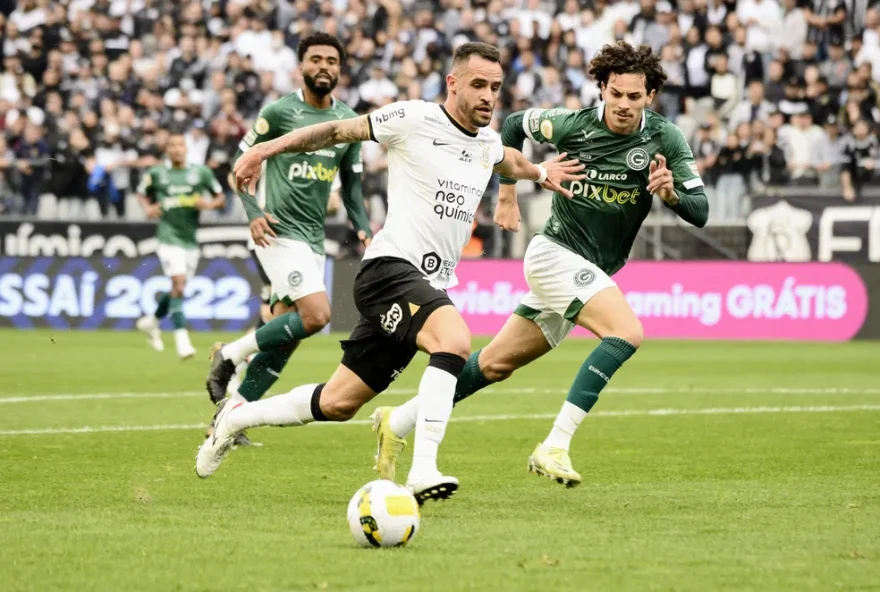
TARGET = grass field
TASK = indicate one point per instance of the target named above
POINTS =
(707, 466)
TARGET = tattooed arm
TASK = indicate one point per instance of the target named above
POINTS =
(315, 137)
(308, 139)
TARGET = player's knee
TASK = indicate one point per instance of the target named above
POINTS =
(633, 333)
(178, 284)
(497, 370)
(339, 408)
(457, 345)
(315, 320)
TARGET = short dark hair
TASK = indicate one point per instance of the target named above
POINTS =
(319, 38)
(464, 52)
(623, 58)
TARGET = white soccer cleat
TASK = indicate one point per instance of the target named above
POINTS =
(216, 446)
(185, 349)
(149, 325)
(555, 464)
(434, 486)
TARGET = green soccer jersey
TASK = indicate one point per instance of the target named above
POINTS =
(177, 191)
(297, 185)
(601, 222)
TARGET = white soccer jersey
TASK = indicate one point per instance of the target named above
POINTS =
(437, 173)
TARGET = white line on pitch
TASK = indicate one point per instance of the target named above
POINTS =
(488, 391)
(473, 418)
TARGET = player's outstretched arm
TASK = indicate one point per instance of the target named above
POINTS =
(307, 139)
(549, 174)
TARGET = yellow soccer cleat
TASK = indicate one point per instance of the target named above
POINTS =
(553, 463)
(389, 444)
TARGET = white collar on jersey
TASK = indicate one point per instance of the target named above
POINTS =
(600, 113)
(302, 98)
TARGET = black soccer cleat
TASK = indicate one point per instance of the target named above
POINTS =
(222, 371)
(439, 488)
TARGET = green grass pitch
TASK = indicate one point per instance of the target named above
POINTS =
(707, 466)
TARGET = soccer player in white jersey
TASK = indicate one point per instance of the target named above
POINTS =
(440, 160)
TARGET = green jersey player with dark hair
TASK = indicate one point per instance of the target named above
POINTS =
(289, 234)
(176, 195)
(630, 155)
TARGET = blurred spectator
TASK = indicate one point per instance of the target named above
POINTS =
(860, 156)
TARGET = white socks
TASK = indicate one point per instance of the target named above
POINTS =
(403, 418)
(181, 340)
(241, 348)
(436, 391)
(291, 409)
(566, 424)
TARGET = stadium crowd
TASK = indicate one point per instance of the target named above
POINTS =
(768, 92)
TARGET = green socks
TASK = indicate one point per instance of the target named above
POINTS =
(264, 370)
(162, 305)
(175, 307)
(283, 330)
(597, 370)
(471, 379)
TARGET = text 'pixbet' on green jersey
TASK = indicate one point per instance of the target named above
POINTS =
(297, 185)
(602, 220)
(177, 191)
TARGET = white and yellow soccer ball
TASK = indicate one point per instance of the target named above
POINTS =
(383, 514)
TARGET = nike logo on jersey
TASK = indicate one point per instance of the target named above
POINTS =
(438, 143)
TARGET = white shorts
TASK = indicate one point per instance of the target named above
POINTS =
(178, 260)
(294, 269)
(560, 283)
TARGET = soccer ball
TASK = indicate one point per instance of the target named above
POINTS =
(383, 514)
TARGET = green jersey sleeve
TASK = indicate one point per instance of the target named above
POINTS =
(693, 206)
(266, 127)
(352, 192)
(147, 185)
(546, 126)
(210, 182)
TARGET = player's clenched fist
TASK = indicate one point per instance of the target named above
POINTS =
(660, 180)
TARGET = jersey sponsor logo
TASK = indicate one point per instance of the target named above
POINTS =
(535, 121)
(318, 172)
(391, 319)
(584, 278)
(294, 279)
(637, 159)
(381, 117)
(605, 193)
(557, 111)
(180, 201)
(324, 152)
(465, 156)
(547, 128)
(452, 205)
(693, 167)
(595, 175)
(434, 119)
(431, 262)
(261, 126)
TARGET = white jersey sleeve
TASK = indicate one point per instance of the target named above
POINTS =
(392, 123)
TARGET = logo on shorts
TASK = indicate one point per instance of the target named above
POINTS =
(584, 278)
(430, 262)
(294, 279)
(391, 319)
(637, 159)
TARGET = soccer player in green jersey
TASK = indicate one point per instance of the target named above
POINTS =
(289, 234)
(175, 196)
(631, 154)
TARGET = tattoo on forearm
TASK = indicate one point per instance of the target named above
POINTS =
(326, 134)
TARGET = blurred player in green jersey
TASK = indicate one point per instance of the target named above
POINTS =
(175, 195)
(289, 232)
(631, 154)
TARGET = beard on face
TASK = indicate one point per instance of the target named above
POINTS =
(320, 88)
